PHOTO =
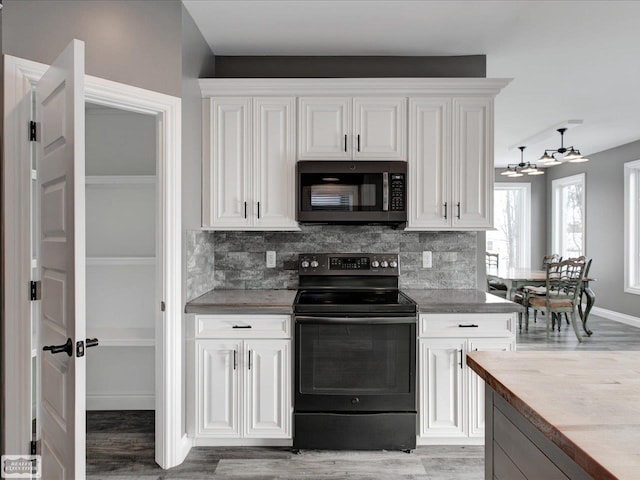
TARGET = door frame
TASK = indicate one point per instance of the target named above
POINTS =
(20, 76)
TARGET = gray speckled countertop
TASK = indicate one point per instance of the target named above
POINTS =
(281, 301)
(460, 301)
(243, 301)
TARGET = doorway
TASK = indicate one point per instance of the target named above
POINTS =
(21, 80)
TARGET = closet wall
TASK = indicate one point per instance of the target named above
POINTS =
(121, 258)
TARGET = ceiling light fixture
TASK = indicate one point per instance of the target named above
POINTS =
(571, 154)
(519, 169)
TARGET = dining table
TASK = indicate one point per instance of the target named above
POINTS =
(517, 278)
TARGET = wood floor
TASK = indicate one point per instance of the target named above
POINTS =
(120, 445)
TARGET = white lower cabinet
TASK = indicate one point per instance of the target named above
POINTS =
(241, 386)
(451, 405)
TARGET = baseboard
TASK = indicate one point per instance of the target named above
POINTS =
(185, 447)
(450, 440)
(121, 402)
(242, 442)
(616, 316)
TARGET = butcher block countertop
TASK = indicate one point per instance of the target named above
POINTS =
(281, 301)
(586, 403)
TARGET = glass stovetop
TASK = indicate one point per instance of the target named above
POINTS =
(353, 297)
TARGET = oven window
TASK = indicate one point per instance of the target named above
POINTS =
(344, 192)
(339, 359)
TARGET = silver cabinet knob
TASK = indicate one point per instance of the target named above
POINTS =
(393, 264)
(314, 264)
(384, 264)
(304, 264)
(375, 264)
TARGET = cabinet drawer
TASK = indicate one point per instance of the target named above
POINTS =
(467, 325)
(243, 326)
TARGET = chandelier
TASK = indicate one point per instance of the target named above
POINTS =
(519, 169)
(572, 154)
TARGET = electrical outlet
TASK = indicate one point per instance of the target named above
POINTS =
(271, 259)
(427, 259)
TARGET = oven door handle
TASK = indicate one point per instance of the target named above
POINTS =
(357, 320)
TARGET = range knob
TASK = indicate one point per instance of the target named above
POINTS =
(314, 264)
(375, 264)
(393, 264)
(384, 264)
(304, 264)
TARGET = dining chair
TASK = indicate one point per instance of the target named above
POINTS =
(494, 287)
(563, 288)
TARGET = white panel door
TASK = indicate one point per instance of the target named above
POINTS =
(476, 384)
(267, 389)
(441, 406)
(231, 152)
(473, 162)
(60, 113)
(380, 128)
(274, 162)
(218, 364)
(324, 128)
(429, 165)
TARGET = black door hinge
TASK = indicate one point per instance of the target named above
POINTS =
(32, 131)
(34, 290)
(34, 447)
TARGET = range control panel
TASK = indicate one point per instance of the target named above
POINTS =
(348, 264)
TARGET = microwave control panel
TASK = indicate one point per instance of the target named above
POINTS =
(397, 192)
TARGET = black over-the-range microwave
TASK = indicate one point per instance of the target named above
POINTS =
(351, 192)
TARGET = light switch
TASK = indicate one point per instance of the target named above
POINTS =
(427, 259)
(271, 259)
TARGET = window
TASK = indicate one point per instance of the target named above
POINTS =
(512, 219)
(632, 227)
(568, 216)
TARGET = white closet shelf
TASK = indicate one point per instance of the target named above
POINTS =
(123, 337)
(120, 261)
(116, 180)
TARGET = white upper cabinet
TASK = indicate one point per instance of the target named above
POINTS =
(249, 164)
(450, 163)
(347, 128)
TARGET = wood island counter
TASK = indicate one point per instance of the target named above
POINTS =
(560, 414)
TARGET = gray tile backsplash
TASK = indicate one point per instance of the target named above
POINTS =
(239, 257)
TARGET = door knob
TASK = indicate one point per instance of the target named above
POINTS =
(67, 347)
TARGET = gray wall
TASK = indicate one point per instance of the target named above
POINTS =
(351, 66)
(136, 42)
(197, 61)
(604, 222)
(538, 212)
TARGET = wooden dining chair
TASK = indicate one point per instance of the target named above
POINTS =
(493, 287)
(563, 288)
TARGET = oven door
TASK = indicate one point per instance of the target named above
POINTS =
(355, 364)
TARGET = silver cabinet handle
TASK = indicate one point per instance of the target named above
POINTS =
(458, 210)
(249, 359)
(445, 210)
(235, 359)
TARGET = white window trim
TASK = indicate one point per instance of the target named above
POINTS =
(555, 227)
(525, 244)
(631, 227)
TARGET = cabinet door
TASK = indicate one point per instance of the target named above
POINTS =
(267, 389)
(274, 162)
(218, 388)
(324, 128)
(473, 163)
(476, 384)
(429, 166)
(441, 394)
(227, 176)
(380, 128)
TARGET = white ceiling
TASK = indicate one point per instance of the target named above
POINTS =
(568, 59)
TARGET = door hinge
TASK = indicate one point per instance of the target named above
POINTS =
(163, 307)
(34, 447)
(32, 131)
(35, 290)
